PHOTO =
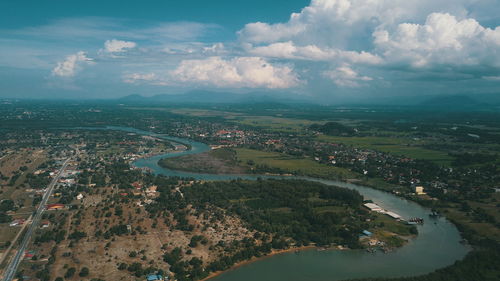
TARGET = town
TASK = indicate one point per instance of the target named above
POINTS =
(74, 205)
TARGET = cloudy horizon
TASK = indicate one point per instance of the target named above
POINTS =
(326, 49)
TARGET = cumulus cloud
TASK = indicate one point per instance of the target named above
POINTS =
(289, 50)
(345, 76)
(145, 78)
(240, 72)
(442, 39)
(336, 22)
(416, 33)
(195, 48)
(71, 64)
(217, 48)
(397, 41)
(118, 46)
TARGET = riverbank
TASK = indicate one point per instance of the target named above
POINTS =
(424, 254)
(220, 161)
(254, 259)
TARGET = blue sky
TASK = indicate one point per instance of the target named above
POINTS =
(334, 49)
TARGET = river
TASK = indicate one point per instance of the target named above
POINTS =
(436, 246)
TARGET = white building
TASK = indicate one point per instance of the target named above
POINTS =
(419, 190)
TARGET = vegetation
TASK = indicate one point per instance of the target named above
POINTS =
(271, 162)
(333, 129)
(282, 208)
(218, 161)
(453, 155)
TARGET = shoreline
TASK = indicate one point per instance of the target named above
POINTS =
(254, 259)
(316, 178)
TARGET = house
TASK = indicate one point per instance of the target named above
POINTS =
(419, 190)
(54, 206)
(154, 277)
(79, 196)
(152, 189)
(44, 224)
(17, 222)
(367, 233)
(29, 254)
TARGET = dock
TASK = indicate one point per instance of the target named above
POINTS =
(376, 208)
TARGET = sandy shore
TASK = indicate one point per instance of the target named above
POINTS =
(254, 259)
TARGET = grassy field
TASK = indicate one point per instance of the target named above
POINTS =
(303, 166)
(30, 159)
(483, 229)
(7, 233)
(307, 167)
(397, 146)
(275, 123)
(271, 123)
(219, 161)
(205, 113)
(191, 111)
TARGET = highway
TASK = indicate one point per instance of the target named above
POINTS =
(11, 269)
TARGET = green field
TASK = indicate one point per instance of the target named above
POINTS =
(191, 111)
(303, 166)
(397, 146)
(275, 123)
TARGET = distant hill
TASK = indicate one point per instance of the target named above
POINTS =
(279, 99)
(200, 96)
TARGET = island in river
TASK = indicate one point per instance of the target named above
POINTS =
(280, 215)
(219, 161)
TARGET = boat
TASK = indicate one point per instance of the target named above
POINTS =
(434, 214)
(416, 220)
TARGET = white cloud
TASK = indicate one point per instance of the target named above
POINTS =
(396, 40)
(195, 48)
(147, 78)
(118, 46)
(217, 48)
(491, 78)
(416, 33)
(442, 39)
(345, 76)
(289, 50)
(240, 72)
(71, 64)
(335, 22)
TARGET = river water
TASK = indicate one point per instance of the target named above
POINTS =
(436, 246)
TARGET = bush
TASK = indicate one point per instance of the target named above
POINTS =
(84, 272)
(70, 272)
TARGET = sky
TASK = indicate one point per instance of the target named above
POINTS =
(323, 49)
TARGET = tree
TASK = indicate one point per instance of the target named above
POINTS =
(122, 266)
(70, 272)
(84, 272)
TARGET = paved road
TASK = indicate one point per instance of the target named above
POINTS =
(13, 242)
(11, 269)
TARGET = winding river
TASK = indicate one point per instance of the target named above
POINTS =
(436, 246)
